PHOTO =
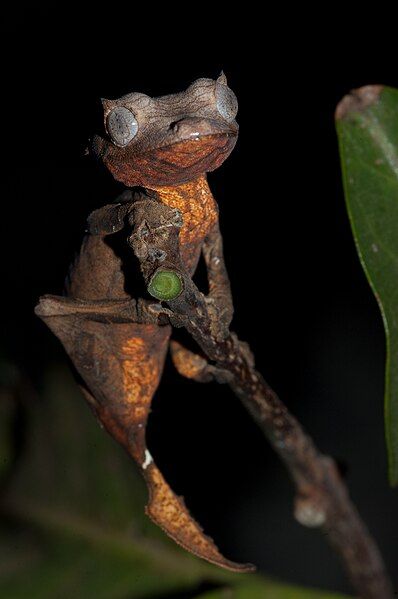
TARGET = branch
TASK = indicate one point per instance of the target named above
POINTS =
(322, 500)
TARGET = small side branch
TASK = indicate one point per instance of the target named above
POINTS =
(322, 500)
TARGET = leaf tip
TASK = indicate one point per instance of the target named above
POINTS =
(358, 100)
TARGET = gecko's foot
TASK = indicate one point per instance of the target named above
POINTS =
(193, 366)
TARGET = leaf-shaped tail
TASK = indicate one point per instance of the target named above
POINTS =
(121, 364)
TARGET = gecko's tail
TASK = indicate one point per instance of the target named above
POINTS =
(121, 363)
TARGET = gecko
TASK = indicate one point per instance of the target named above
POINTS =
(161, 150)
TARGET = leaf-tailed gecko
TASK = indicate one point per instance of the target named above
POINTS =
(160, 149)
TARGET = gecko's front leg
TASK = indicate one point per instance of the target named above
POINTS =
(219, 305)
(219, 286)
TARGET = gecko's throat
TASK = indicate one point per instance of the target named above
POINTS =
(183, 151)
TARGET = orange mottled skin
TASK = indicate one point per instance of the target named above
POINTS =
(199, 212)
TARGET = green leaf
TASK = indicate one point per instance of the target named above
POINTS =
(269, 590)
(367, 126)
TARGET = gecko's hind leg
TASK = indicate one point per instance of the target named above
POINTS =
(121, 363)
(195, 367)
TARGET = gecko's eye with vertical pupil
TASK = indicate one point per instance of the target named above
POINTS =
(122, 126)
(227, 104)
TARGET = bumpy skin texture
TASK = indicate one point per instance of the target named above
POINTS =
(161, 149)
(180, 136)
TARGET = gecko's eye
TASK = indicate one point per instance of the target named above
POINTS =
(227, 104)
(122, 126)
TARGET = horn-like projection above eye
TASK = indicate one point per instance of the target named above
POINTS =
(222, 78)
(122, 126)
(227, 104)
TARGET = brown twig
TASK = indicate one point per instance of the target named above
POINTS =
(322, 500)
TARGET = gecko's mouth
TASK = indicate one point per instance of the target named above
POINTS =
(195, 151)
(197, 138)
(186, 149)
(192, 144)
(190, 131)
(192, 128)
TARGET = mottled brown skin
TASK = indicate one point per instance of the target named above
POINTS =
(116, 343)
(180, 137)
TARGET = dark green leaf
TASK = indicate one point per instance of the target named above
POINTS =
(367, 125)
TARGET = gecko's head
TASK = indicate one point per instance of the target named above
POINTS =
(171, 139)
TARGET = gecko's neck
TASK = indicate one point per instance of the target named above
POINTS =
(199, 213)
(196, 203)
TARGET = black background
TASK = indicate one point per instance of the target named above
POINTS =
(301, 298)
